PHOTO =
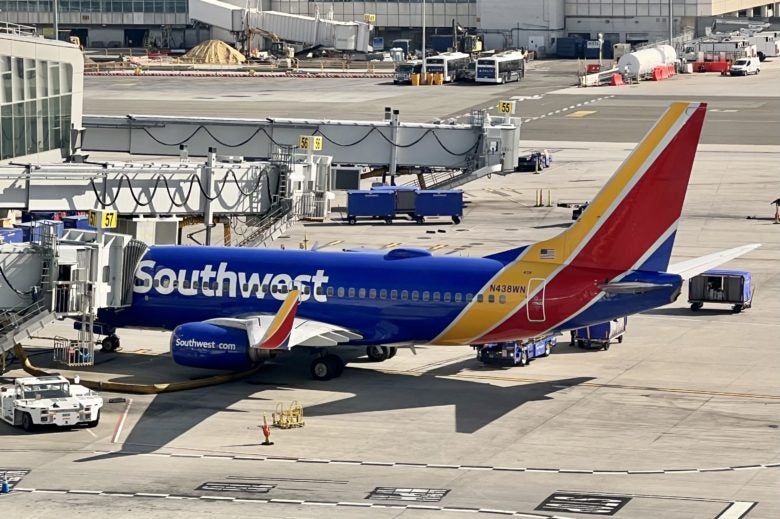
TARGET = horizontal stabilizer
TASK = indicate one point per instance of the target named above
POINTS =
(693, 267)
(631, 287)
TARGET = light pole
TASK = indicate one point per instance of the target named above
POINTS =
(423, 40)
(671, 24)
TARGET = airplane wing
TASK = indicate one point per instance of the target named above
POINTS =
(693, 267)
(283, 330)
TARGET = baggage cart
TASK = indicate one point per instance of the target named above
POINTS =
(439, 203)
(405, 197)
(731, 287)
(370, 204)
(599, 335)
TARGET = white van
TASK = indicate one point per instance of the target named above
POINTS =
(745, 66)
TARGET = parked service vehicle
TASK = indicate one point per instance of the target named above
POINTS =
(745, 67)
(599, 335)
(49, 400)
(515, 353)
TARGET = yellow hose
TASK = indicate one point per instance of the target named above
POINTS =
(137, 389)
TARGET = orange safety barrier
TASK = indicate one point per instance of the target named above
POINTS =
(617, 80)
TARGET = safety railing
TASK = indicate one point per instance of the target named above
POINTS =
(16, 29)
(14, 321)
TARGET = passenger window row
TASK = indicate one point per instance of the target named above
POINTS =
(360, 293)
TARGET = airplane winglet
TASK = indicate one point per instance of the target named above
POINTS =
(693, 267)
(278, 333)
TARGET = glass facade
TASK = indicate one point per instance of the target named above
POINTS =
(35, 106)
(96, 6)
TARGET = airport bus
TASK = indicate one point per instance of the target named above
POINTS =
(451, 64)
(501, 68)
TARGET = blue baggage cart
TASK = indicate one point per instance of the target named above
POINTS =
(405, 197)
(439, 203)
(515, 353)
(373, 204)
(731, 287)
(599, 335)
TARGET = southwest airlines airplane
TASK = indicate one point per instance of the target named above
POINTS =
(231, 308)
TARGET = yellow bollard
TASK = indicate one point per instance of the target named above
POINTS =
(415, 79)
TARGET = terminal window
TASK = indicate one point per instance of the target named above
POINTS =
(35, 106)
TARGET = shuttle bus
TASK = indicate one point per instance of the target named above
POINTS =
(501, 68)
(451, 64)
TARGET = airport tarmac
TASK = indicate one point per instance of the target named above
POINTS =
(678, 421)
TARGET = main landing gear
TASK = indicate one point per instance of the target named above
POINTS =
(381, 353)
(327, 367)
(110, 344)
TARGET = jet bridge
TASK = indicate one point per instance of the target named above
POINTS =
(485, 142)
(52, 278)
(306, 30)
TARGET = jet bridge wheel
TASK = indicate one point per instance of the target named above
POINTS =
(110, 343)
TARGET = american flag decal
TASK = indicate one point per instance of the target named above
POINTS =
(547, 253)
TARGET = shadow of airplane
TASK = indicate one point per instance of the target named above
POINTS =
(477, 404)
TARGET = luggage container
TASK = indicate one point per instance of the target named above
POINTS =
(515, 353)
(439, 203)
(405, 197)
(11, 236)
(374, 204)
(599, 335)
(731, 287)
(77, 222)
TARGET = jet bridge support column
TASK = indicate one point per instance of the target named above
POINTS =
(208, 213)
(394, 130)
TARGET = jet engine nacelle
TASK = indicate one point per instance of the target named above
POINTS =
(212, 346)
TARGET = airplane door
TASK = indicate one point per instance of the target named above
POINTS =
(535, 306)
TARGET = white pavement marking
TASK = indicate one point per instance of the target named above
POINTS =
(90, 432)
(736, 510)
(121, 422)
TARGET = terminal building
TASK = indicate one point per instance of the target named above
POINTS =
(41, 97)
(533, 24)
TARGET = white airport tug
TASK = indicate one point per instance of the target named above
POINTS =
(49, 400)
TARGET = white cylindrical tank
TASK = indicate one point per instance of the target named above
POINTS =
(644, 61)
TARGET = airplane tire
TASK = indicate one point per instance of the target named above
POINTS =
(321, 369)
(336, 365)
(391, 352)
(606, 346)
(377, 353)
(696, 306)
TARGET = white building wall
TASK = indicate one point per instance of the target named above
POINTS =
(533, 24)
(32, 53)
